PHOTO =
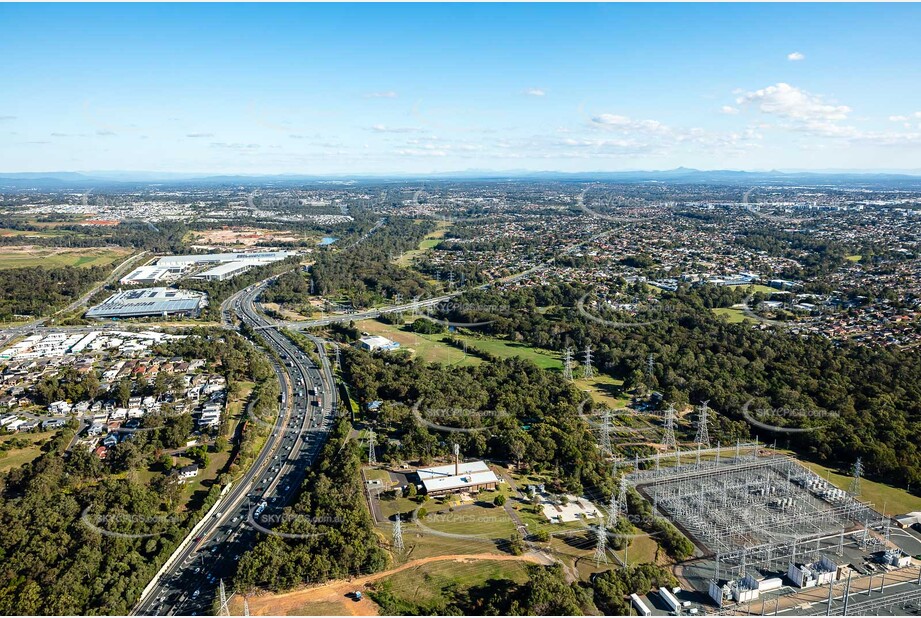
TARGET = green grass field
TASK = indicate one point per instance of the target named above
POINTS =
(427, 347)
(892, 500)
(490, 522)
(603, 389)
(853, 258)
(17, 457)
(759, 288)
(430, 240)
(545, 359)
(735, 316)
(430, 582)
(18, 257)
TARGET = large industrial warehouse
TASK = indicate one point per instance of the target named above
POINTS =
(263, 257)
(149, 302)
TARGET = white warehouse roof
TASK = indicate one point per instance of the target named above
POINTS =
(207, 258)
(443, 478)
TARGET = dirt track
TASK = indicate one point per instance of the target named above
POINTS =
(289, 603)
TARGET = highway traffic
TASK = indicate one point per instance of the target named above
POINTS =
(307, 409)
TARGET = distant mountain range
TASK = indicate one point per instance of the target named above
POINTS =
(85, 181)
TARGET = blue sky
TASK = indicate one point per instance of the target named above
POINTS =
(340, 89)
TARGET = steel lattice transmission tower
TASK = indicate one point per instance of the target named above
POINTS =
(857, 473)
(601, 543)
(613, 509)
(606, 432)
(587, 367)
(372, 459)
(669, 438)
(622, 495)
(650, 365)
(567, 364)
(225, 609)
(703, 437)
(398, 534)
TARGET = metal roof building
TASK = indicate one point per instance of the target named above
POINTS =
(148, 302)
(216, 258)
(225, 271)
(470, 476)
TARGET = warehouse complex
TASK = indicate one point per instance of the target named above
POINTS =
(149, 302)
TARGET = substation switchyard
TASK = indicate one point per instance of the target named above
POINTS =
(773, 536)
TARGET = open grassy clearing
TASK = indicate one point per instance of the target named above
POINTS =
(49, 257)
(757, 287)
(16, 457)
(545, 359)
(603, 389)
(431, 240)
(885, 498)
(853, 258)
(430, 582)
(430, 348)
(735, 316)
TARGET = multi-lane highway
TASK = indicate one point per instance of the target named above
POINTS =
(306, 412)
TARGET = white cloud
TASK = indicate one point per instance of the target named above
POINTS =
(199, 135)
(387, 94)
(729, 110)
(898, 118)
(611, 120)
(535, 92)
(792, 103)
(796, 56)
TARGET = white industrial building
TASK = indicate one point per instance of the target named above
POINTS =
(376, 342)
(263, 257)
(149, 302)
(226, 270)
(470, 476)
(152, 275)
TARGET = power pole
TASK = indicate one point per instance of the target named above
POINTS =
(622, 495)
(567, 364)
(703, 438)
(398, 534)
(669, 439)
(650, 365)
(372, 459)
(587, 367)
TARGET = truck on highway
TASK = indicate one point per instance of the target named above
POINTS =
(259, 509)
